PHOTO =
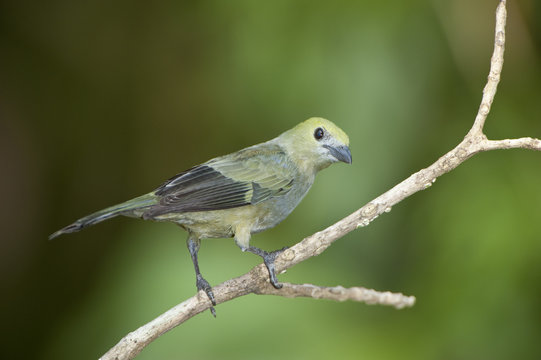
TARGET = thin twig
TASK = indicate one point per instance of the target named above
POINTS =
(256, 281)
(496, 65)
(339, 293)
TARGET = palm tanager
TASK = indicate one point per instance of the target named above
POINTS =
(239, 194)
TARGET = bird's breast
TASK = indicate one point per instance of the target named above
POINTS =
(272, 211)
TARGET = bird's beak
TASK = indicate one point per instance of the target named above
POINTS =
(341, 153)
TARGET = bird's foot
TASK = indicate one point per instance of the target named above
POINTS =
(204, 285)
(268, 259)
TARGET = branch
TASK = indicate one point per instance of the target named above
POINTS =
(339, 293)
(256, 281)
(496, 65)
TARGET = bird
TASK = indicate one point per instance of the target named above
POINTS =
(238, 194)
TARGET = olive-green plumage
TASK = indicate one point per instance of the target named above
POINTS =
(238, 194)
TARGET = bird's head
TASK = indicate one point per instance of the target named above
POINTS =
(316, 143)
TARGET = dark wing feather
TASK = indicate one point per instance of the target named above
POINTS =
(247, 177)
(198, 189)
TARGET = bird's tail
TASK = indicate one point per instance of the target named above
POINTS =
(125, 208)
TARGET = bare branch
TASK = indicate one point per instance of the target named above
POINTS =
(133, 343)
(496, 65)
(522, 143)
(256, 281)
(339, 293)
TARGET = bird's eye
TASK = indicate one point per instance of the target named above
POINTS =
(318, 134)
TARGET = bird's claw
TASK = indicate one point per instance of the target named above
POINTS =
(268, 259)
(204, 285)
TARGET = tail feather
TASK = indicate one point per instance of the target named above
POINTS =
(126, 208)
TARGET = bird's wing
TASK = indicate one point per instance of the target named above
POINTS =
(246, 177)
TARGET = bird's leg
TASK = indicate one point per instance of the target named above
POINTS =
(193, 243)
(268, 259)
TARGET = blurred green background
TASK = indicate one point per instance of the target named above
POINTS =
(101, 101)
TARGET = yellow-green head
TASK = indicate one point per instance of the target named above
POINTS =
(316, 143)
